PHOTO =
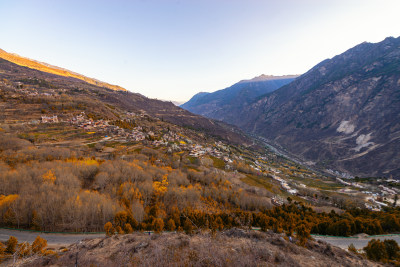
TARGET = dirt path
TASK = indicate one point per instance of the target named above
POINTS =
(53, 240)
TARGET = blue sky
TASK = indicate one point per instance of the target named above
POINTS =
(173, 49)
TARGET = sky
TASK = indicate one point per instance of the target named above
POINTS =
(171, 50)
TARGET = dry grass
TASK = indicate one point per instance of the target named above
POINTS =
(230, 248)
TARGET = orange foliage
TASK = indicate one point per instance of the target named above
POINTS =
(160, 188)
(49, 177)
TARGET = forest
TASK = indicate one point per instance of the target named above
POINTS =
(62, 189)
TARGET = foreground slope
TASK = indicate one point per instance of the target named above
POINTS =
(343, 114)
(231, 248)
(225, 104)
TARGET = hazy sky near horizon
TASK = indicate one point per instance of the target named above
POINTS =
(172, 50)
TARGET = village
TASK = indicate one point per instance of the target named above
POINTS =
(174, 141)
(376, 197)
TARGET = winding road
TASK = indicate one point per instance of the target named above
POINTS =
(53, 240)
(358, 242)
(59, 240)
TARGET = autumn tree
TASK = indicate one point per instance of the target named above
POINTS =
(39, 245)
(392, 248)
(128, 228)
(109, 229)
(11, 245)
(303, 234)
(188, 226)
(171, 225)
(376, 250)
(158, 225)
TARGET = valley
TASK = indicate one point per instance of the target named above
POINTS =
(77, 157)
(339, 117)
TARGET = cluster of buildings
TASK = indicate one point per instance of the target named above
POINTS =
(354, 184)
(50, 119)
(285, 185)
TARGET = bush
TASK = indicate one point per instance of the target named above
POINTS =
(376, 250)
(11, 245)
(128, 228)
(171, 225)
(158, 225)
(109, 229)
(392, 248)
(39, 245)
(352, 249)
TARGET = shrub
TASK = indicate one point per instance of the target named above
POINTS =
(352, 249)
(128, 228)
(11, 245)
(171, 225)
(109, 229)
(158, 225)
(376, 250)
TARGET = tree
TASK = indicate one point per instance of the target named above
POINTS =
(392, 248)
(119, 230)
(158, 225)
(376, 250)
(109, 229)
(11, 245)
(128, 228)
(187, 226)
(39, 245)
(303, 234)
(171, 225)
(2, 250)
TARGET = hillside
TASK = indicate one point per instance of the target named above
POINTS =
(231, 248)
(343, 114)
(33, 64)
(227, 103)
(100, 101)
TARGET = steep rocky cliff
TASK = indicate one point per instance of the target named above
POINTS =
(343, 114)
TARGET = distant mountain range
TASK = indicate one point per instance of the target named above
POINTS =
(343, 114)
(225, 104)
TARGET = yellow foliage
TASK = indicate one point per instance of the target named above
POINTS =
(135, 164)
(182, 142)
(89, 162)
(128, 191)
(39, 245)
(49, 177)
(7, 200)
(161, 187)
(90, 132)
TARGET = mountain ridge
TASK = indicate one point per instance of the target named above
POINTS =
(45, 67)
(224, 104)
(342, 111)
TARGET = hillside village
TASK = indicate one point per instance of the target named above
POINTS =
(375, 197)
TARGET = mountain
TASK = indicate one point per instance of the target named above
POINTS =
(225, 104)
(37, 65)
(98, 99)
(343, 114)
